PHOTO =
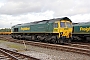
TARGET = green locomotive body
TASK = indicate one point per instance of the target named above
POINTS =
(36, 27)
(82, 31)
(53, 30)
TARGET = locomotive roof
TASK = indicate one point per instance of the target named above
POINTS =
(82, 24)
(64, 18)
(55, 19)
(51, 20)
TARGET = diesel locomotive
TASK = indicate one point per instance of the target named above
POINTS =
(81, 31)
(58, 30)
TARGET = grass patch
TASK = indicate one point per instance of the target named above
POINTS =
(13, 45)
(17, 46)
(2, 41)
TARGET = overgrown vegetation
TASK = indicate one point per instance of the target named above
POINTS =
(5, 30)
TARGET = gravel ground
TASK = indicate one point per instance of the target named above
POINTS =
(44, 53)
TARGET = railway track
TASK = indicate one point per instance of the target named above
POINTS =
(85, 46)
(77, 48)
(11, 55)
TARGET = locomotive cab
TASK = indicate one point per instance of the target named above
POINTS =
(64, 30)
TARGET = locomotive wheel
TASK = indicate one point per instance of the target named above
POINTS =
(69, 41)
(53, 40)
(61, 41)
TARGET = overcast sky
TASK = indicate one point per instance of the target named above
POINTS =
(23, 11)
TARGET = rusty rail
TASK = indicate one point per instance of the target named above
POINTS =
(15, 55)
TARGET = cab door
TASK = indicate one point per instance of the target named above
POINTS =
(56, 26)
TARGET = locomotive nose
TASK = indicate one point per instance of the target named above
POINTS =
(67, 34)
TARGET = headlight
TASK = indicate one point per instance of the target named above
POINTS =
(61, 33)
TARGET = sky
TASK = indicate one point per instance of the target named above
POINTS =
(14, 12)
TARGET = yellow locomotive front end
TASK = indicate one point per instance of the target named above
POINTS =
(64, 30)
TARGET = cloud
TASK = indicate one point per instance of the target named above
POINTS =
(1, 4)
(80, 18)
(20, 7)
(60, 7)
(9, 20)
(23, 11)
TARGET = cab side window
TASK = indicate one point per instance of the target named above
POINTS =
(62, 24)
(55, 25)
(15, 29)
